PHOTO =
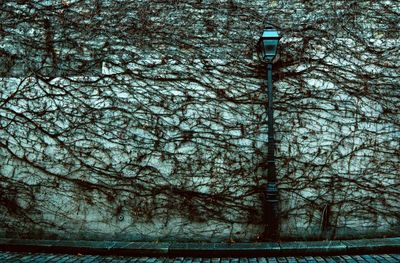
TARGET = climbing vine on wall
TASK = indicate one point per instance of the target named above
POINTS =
(147, 119)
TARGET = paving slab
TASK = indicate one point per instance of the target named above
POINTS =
(381, 245)
(224, 249)
(313, 247)
(152, 249)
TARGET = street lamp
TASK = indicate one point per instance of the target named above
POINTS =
(268, 46)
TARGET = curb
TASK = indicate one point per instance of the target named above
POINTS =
(169, 249)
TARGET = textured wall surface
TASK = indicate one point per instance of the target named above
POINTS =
(147, 119)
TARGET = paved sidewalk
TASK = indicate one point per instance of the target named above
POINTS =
(66, 258)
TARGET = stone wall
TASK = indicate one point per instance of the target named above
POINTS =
(146, 120)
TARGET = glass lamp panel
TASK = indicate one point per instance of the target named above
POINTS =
(270, 48)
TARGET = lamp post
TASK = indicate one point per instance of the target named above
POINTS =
(268, 45)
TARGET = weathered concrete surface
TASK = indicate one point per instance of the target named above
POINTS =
(165, 249)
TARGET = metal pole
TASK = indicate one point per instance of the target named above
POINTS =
(271, 191)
